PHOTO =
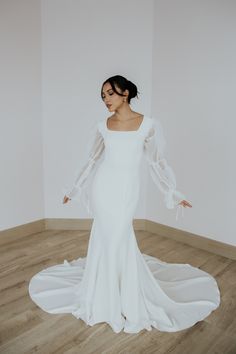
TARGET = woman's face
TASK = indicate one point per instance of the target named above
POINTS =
(110, 97)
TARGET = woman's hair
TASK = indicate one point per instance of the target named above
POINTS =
(123, 84)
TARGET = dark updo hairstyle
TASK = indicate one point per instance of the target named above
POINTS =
(123, 84)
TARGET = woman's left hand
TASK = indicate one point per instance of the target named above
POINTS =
(185, 203)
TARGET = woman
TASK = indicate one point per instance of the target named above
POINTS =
(115, 282)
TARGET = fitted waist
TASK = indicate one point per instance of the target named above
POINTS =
(121, 166)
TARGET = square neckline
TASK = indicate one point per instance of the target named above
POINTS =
(124, 131)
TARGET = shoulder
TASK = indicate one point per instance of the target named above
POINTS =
(149, 120)
(153, 123)
(100, 124)
(150, 124)
(95, 128)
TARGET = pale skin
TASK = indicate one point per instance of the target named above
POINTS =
(123, 118)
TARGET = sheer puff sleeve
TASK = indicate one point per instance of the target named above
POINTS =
(161, 173)
(80, 189)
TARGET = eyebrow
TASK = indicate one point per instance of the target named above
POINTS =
(107, 90)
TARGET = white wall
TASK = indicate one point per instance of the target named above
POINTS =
(180, 55)
(194, 84)
(84, 43)
(21, 163)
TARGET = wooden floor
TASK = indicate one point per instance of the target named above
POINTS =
(25, 328)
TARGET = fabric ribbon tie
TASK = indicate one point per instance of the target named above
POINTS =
(177, 210)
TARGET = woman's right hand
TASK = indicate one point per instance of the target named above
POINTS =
(66, 199)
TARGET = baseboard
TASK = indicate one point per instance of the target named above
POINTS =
(188, 238)
(201, 242)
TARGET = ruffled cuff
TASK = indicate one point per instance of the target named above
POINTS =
(79, 194)
(73, 193)
(173, 198)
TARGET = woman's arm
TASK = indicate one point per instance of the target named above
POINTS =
(161, 173)
(95, 152)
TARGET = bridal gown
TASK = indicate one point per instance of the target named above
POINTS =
(116, 283)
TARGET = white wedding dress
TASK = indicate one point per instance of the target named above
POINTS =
(116, 283)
